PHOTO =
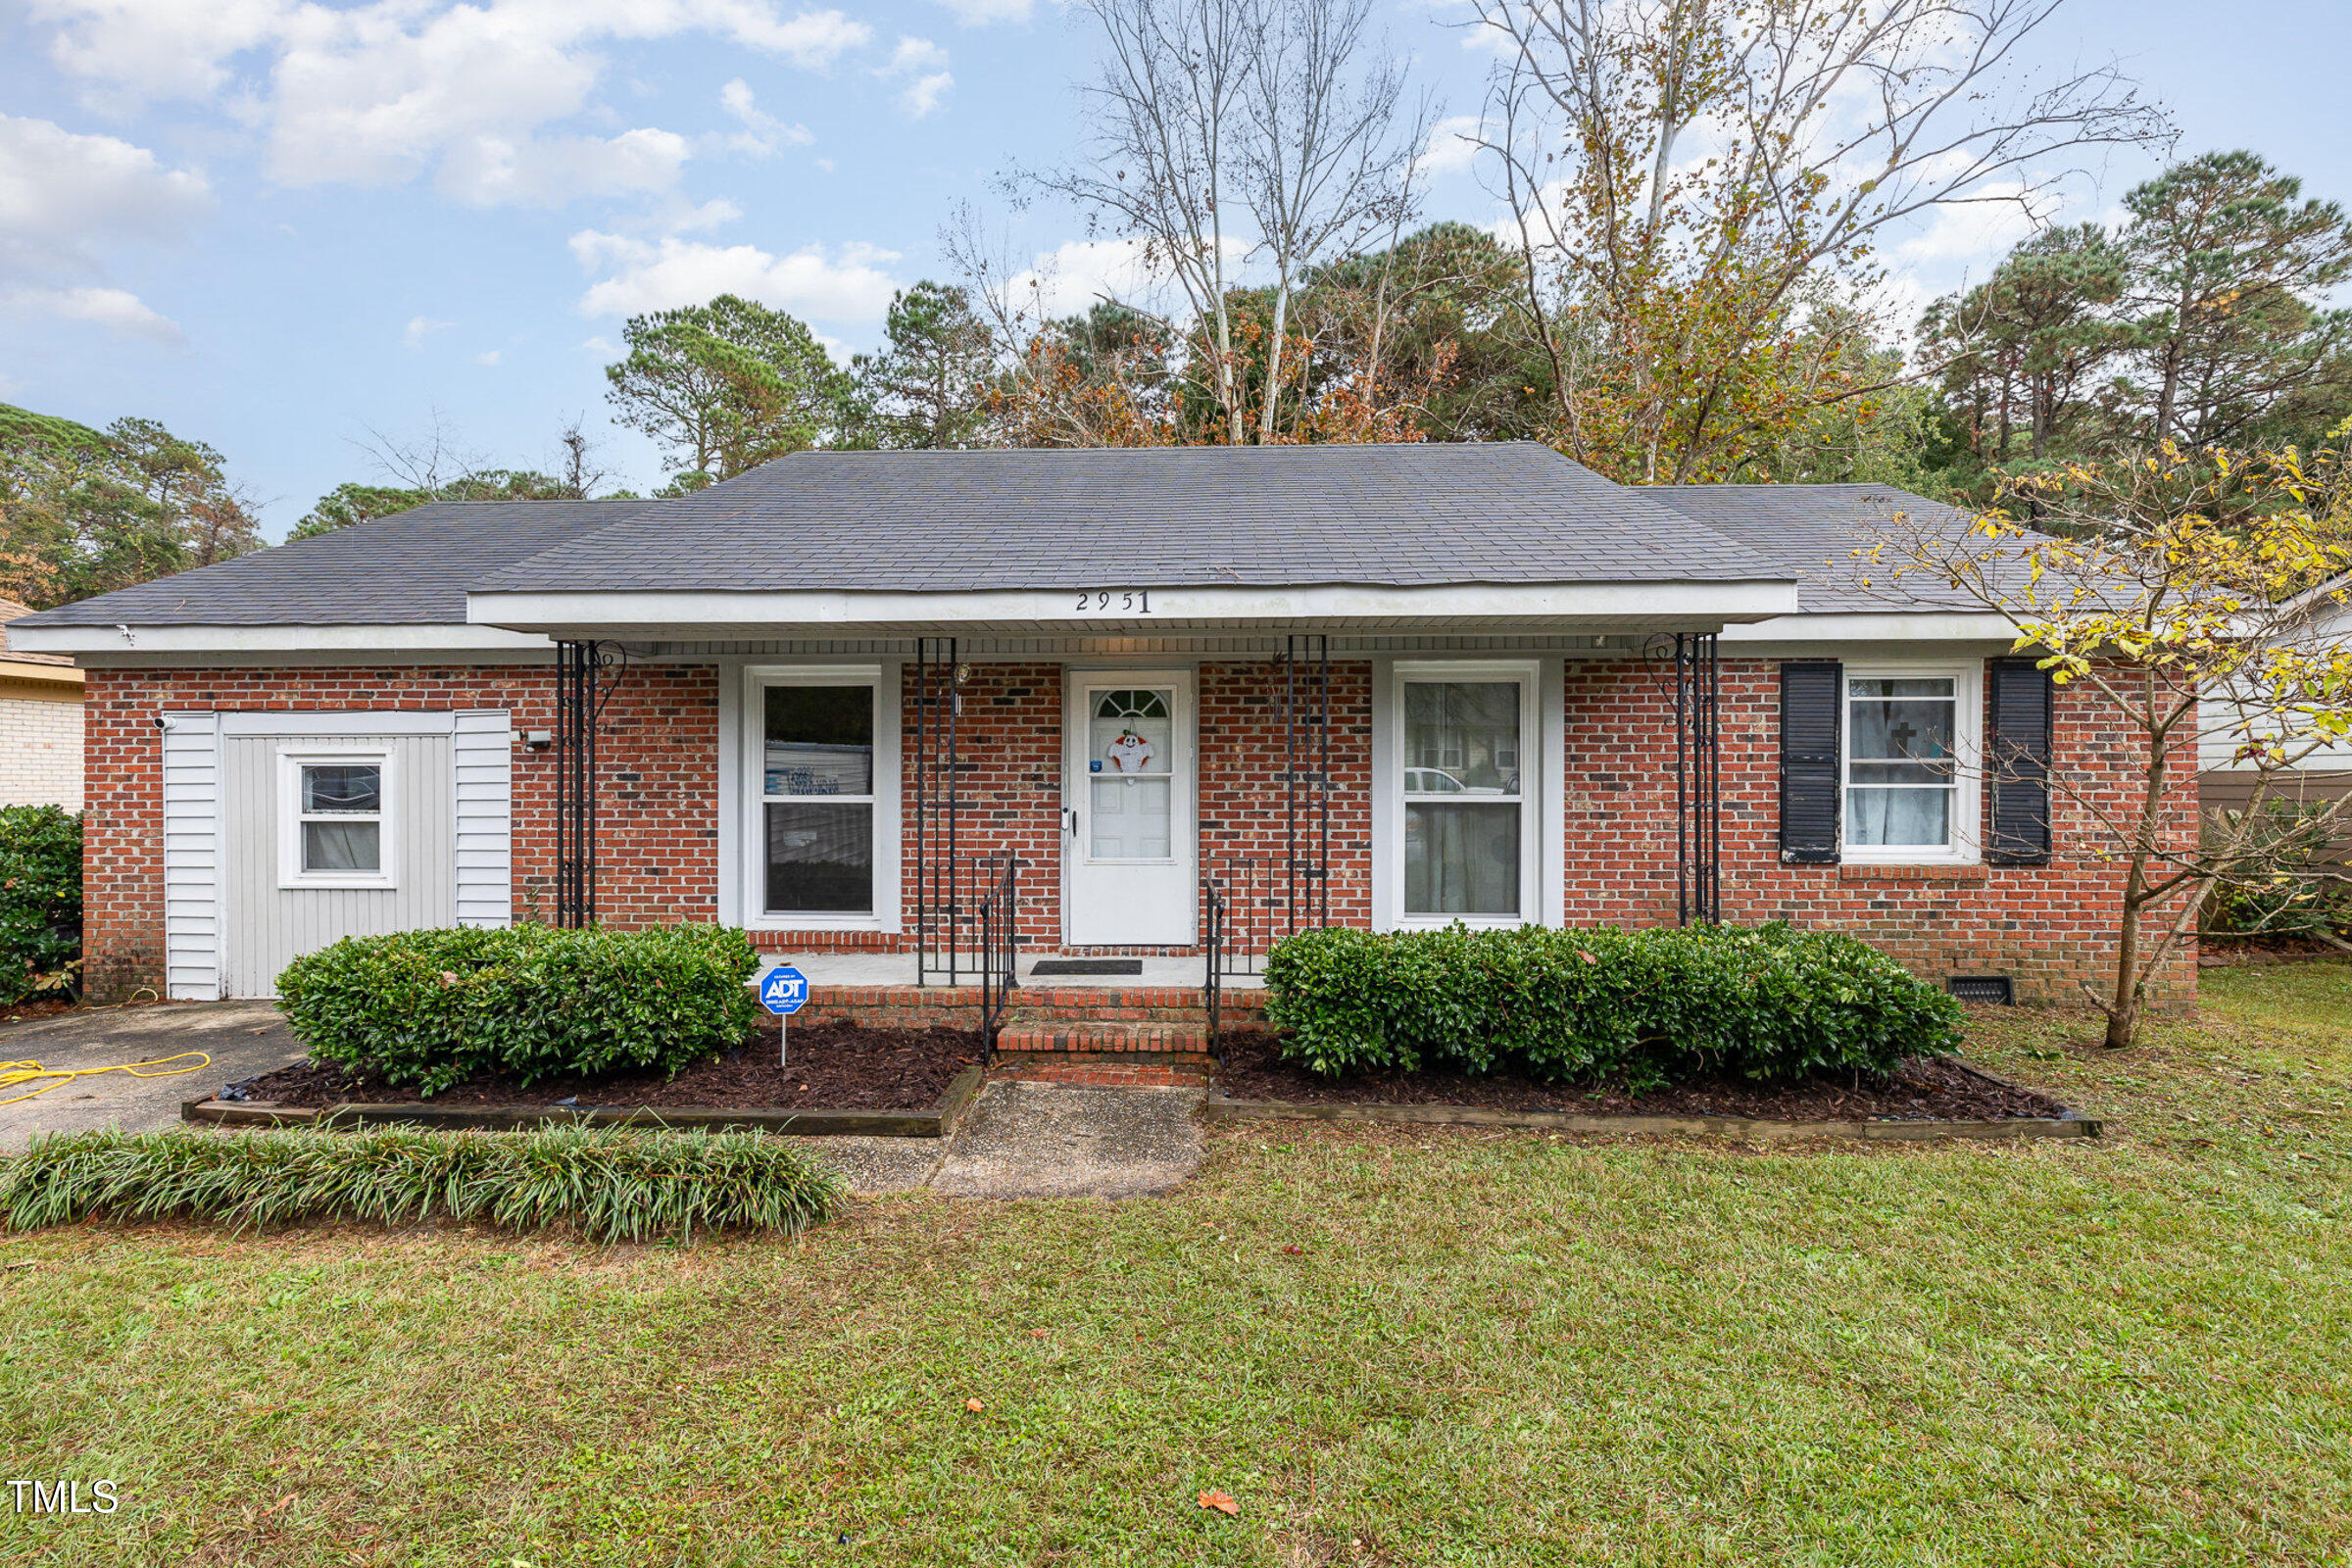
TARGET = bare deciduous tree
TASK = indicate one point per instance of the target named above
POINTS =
(1222, 130)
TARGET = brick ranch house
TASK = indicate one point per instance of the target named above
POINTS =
(1190, 697)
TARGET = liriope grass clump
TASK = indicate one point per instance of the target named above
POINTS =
(609, 1184)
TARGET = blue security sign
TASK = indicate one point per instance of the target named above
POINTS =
(784, 990)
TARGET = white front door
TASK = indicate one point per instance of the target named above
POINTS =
(1129, 829)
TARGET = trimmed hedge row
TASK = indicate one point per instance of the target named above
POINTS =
(40, 902)
(609, 1184)
(1650, 1008)
(434, 1008)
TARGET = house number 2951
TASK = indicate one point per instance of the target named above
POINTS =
(1127, 601)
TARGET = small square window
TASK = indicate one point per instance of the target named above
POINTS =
(335, 824)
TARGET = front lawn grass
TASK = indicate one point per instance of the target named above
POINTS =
(1484, 1348)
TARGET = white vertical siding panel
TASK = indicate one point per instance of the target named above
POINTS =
(191, 856)
(483, 757)
(269, 926)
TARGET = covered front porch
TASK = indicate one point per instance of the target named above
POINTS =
(1101, 814)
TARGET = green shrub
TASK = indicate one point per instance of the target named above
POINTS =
(1648, 1006)
(2293, 886)
(40, 901)
(433, 1007)
(616, 1184)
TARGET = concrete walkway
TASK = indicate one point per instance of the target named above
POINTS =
(1036, 1140)
(243, 1038)
(1018, 1139)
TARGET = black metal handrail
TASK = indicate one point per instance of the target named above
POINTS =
(1213, 947)
(1262, 899)
(1000, 945)
(950, 949)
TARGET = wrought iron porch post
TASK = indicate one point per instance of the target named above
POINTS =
(937, 906)
(1698, 778)
(583, 688)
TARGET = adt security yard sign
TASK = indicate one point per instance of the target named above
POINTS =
(783, 991)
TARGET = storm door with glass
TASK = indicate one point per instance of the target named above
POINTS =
(1128, 825)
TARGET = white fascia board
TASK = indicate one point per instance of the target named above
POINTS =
(721, 615)
(402, 639)
(1893, 626)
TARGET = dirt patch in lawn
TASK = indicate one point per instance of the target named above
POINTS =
(833, 1067)
(1922, 1089)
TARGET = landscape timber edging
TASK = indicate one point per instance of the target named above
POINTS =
(937, 1122)
(1742, 1129)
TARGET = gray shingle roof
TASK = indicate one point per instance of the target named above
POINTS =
(1180, 516)
(410, 568)
(1812, 530)
(944, 522)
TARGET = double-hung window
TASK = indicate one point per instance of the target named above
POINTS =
(335, 823)
(815, 830)
(1463, 737)
(1909, 796)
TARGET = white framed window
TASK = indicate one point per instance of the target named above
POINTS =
(822, 788)
(1911, 735)
(1465, 808)
(335, 819)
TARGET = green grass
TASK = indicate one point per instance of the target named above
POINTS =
(1487, 1348)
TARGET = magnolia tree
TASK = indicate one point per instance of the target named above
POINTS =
(2200, 599)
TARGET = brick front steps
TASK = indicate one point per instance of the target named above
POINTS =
(1162, 1055)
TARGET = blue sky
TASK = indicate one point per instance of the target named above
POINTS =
(279, 226)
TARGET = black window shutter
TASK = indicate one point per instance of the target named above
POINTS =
(1812, 707)
(2019, 753)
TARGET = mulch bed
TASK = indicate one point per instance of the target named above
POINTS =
(1922, 1089)
(834, 1066)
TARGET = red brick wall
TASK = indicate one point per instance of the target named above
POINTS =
(658, 823)
(1243, 812)
(2047, 926)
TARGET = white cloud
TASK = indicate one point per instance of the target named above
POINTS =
(386, 92)
(550, 171)
(763, 132)
(60, 188)
(486, 357)
(1452, 145)
(158, 48)
(923, 67)
(980, 13)
(1066, 281)
(115, 308)
(63, 196)
(420, 328)
(847, 284)
(1956, 234)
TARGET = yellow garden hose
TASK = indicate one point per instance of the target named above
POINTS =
(16, 1073)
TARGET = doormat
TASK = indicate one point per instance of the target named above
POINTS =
(1089, 966)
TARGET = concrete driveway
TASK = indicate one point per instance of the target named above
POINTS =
(243, 1038)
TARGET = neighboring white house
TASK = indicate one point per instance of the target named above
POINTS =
(40, 724)
(2226, 782)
